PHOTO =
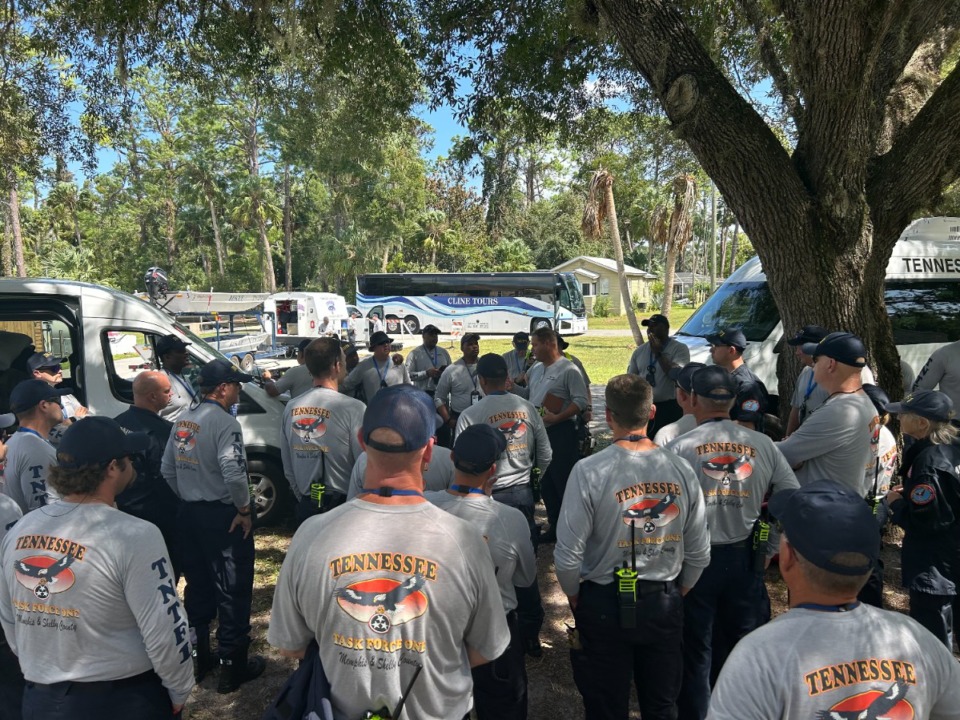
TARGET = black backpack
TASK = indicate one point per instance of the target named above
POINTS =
(306, 694)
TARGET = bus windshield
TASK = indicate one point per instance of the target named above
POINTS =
(746, 305)
(571, 296)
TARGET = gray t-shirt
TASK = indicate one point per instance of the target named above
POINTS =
(813, 665)
(674, 430)
(516, 364)
(506, 533)
(420, 360)
(521, 424)
(562, 379)
(808, 396)
(295, 381)
(205, 459)
(459, 387)
(383, 589)
(736, 467)
(370, 373)
(942, 371)
(70, 408)
(10, 513)
(87, 594)
(641, 362)
(438, 475)
(655, 491)
(320, 431)
(181, 396)
(836, 442)
(29, 459)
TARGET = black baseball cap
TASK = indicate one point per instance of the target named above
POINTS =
(405, 410)
(930, 404)
(561, 343)
(43, 360)
(824, 518)
(683, 376)
(655, 319)
(477, 448)
(469, 337)
(96, 440)
(843, 347)
(430, 330)
(879, 398)
(521, 337)
(379, 338)
(808, 334)
(349, 349)
(27, 394)
(733, 337)
(302, 345)
(715, 383)
(492, 367)
(169, 343)
(217, 372)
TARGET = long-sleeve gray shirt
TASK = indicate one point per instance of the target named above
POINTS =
(521, 424)
(606, 492)
(438, 475)
(321, 444)
(458, 387)
(29, 459)
(561, 379)
(643, 362)
(205, 459)
(420, 360)
(181, 396)
(736, 467)
(942, 371)
(370, 373)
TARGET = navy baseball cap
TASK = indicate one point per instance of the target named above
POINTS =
(843, 347)
(521, 337)
(169, 343)
(656, 319)
(27, 394)
(43, 360)
(879, 398)
(492, 367)
(929, 404)
(683, 376)
(379, 338)
(217, 372)
(808, 334)
(733, 337)
(825, 518)
(561, 343)
(430, 330)
(96, 440)
(714, 382)
(405, 410)
(7, 420)
(468, 338)
(477, 448)
(302, 345)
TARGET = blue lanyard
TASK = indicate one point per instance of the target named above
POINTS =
(810, 386)
(846, 607)
(186, 385)
(389, 492)
(473, 378)
(467, 489)
(386, 369)
(31, 431)
(434, 358)
(516, 359)
(631, 438)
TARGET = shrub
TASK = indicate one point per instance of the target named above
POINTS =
(601, 306)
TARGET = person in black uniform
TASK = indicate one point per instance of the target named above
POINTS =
(726, 350)
(149, 497)
(927, 507)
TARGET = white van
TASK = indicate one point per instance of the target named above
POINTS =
(300, 315)
(109, 336)
(922, 293)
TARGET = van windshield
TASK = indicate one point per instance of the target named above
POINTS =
(196, 340)
(747, 305)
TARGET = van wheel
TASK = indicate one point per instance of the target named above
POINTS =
(538, 323)
(412, 324)
(269, 490)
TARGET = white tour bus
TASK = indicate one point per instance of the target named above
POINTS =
(922, 296)
(494, 303)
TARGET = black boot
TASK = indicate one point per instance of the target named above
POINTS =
(236, 669)
(203, 661)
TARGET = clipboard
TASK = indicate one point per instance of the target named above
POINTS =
(552, 403)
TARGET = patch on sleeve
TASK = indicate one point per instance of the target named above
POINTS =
(923, 494)
(750, 405)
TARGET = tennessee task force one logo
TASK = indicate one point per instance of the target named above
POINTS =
(309, 428)
(382, 603)
(44, 575)
(886, 704)
(513, 429)
(727, 469)
(185, 440)
(649, 515)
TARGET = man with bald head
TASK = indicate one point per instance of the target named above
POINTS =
(149, 497)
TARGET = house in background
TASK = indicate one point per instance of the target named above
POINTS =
(683, 283)
(598, 278)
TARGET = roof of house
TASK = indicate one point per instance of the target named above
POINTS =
(606, 264)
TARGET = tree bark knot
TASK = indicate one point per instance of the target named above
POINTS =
(683, 95)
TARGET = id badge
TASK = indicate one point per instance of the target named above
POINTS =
(474, 397)
(383, 384)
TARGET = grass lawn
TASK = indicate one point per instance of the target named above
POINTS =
(678, 316)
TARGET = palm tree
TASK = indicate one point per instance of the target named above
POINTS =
(599, 207)
(673, 228)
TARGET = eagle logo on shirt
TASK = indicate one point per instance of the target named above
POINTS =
(726, 469)
(652, 514)
(310, 428)
(513, 430)
(185, 440)
(382, 603)
(44, 575)
(872, 705)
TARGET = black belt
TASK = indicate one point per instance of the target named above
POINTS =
(76, 687)
(511, 487)
(644, 587)
(745, 543)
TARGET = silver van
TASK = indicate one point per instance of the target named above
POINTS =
(108, 336)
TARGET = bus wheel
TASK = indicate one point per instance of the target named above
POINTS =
(538, 323)
(412, 324)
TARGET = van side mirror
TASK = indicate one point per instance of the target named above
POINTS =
(778, 348)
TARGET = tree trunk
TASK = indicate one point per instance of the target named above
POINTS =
(170, 210)
(723, 252)
(287, 231)
(217, 239)
(253, 163)
(386, 258)
(669, 271)
(733, 247)
(18, 259)
(625, 296)
(6, 253)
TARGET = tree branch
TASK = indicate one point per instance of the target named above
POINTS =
(923, 160)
